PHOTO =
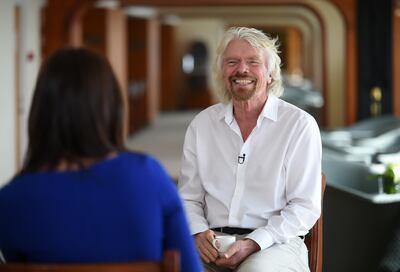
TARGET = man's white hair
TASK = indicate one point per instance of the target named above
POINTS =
(258, 40)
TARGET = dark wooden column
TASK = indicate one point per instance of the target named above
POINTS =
(375, 56)
(143, 71)
(169, 68)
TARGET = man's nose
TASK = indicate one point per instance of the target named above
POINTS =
(243, 67)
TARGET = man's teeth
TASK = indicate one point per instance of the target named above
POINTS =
(242, 81)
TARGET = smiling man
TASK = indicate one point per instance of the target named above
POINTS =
(251, 166)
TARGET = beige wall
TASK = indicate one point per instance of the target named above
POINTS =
(207, 30)
(335, 38)
(8, 118)
(17, 85)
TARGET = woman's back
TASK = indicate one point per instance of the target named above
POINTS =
(117, 210)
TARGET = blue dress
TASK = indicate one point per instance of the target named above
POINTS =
(118, 210)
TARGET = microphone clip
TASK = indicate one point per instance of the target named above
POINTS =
(241, 158)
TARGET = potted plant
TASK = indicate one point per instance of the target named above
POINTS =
(391, 178)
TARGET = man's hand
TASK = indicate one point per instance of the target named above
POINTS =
(237, 253)
(204, 244)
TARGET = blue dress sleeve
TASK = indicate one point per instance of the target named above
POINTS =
(176, 230)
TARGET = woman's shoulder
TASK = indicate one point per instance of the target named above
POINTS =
(134, 158)
(140, 165)
(14, 189)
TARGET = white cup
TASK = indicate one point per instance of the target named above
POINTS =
(222, 243)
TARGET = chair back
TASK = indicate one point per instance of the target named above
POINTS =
(314, 238)
(170, 263)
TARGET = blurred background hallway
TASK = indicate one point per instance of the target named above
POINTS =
(341, 60)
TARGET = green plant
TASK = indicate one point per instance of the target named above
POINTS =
(391, 178)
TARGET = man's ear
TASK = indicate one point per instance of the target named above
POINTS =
(269, 80)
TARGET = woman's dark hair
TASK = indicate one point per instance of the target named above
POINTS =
(76, 112)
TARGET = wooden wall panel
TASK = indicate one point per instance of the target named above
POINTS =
(294, 51)
(137, 67)
(169, 68)
(58, 17)
(94, 30)
(153, 68)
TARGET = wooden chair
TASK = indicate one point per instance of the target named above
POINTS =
(313, 239)
(170, 263)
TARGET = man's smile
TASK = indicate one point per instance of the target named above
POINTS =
(242, 81)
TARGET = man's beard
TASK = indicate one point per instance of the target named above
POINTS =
(242, 95)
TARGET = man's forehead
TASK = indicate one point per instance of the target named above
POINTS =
(242, 49)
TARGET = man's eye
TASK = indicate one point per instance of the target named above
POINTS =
(254, 62)
(231, 62)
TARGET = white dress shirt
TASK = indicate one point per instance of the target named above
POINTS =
(275, 189)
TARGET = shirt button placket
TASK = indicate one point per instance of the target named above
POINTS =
(239, 187)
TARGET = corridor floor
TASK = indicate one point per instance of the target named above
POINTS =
(164, 139)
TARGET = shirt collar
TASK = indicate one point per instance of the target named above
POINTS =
(269, 111)
(227, 113)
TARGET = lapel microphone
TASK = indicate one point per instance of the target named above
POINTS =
(241, 158)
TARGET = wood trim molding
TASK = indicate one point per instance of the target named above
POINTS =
(183, 3)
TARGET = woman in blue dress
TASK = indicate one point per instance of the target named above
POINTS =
(81, 197)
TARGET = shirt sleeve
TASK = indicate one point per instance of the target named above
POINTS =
(190, 186)
(176, 231)
(303, 189)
